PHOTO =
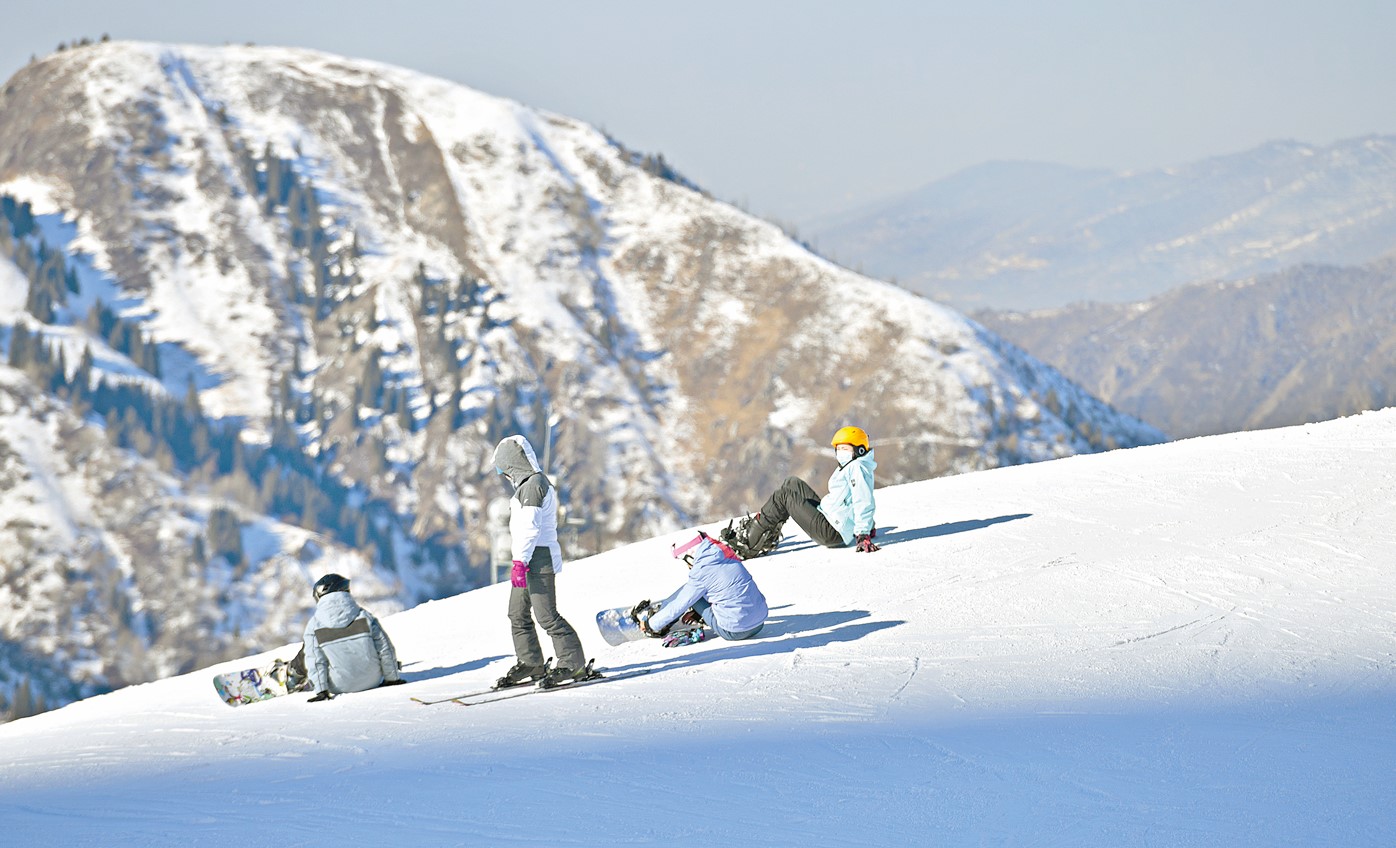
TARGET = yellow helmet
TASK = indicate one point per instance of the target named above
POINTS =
(852, 436)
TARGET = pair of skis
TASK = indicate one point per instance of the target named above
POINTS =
(518, 690)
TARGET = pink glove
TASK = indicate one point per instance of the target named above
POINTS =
(518, 577)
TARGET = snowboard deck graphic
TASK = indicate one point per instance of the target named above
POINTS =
(252, 684)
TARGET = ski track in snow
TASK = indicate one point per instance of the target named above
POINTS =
(1189, 644)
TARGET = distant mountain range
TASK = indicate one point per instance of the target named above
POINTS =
(267, 311)
(1024, 236)
(1306, 344)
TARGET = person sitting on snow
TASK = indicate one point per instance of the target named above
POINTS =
(719, 594)
(345, 648)
(844, 517)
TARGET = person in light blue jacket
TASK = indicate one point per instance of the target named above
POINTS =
(845, 516)
(346, 650)
(719, 594)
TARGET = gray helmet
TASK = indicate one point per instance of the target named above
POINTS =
(330, 583)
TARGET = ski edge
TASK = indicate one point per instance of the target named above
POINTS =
(480, 699)
(466, 695)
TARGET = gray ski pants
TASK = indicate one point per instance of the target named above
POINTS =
(538, 601)
(796, 499)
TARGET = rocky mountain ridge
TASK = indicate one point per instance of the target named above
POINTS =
(1024, 236)
(1310, 343)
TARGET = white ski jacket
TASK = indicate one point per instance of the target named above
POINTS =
(532, 509)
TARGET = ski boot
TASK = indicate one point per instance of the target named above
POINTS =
(750, 538)
(521, 674)
(556, 676)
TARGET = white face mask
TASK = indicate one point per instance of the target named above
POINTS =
(844, 454)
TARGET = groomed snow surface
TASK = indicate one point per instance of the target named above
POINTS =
(1189, 644)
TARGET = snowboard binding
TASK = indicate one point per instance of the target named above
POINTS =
(555, 677)
(748, 538)
(641, 614)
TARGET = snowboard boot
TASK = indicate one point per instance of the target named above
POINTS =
(561, 676)
(297, 680)
(641, 614)
(752, 536)
(521, 673)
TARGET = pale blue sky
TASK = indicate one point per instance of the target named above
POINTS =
(800, 109)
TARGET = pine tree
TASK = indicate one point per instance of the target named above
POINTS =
(20, 341)
(193, 407)
(225, 534)
(404, 410)
(83, 377)
(371, 380)
(58, 378)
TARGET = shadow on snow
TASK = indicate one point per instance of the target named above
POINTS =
(891, 535)
(781, 634)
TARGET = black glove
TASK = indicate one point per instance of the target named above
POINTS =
(321, 696)
(865, 544)
(397, 682)
(640, 614)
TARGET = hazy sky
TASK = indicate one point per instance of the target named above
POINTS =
(800, 109)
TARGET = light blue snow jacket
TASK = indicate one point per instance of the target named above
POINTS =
(725, 583)
(345, 648)
(849, 506)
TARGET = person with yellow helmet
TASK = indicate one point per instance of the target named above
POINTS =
(841, 518)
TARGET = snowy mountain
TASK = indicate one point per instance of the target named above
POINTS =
(1186, 644)
(311, 293)
(1306, 344)
(1027, 236)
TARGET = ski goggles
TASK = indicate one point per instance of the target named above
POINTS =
(683, 552)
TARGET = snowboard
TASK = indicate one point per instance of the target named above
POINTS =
(252, 684)
(617, 627)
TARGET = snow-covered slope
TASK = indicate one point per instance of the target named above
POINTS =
(1188, 644)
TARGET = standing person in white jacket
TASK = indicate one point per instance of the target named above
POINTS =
(845, 516)
(537, 560)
